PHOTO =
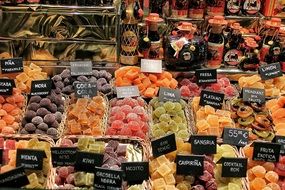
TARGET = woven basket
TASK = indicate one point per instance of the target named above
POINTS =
(46, 138)
(193, 116)
(60, 128)
(122, 139)
(145, 108)
(189, 120)
(104, 120)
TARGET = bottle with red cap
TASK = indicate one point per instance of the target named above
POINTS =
(233, 53)
(271, 46)
(250, 60)
(184, 49)
(216, 42)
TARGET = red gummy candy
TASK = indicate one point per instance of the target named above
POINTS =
(132, 117)
(125, 131)
(185, 82)
(117, 124)
(126, 109)
(111, 131)
(2, 143)
(134, 126)
(185, 91)
(140, 134)
(10, 144)
(120, 116)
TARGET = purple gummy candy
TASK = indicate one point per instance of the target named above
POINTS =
(121, 150)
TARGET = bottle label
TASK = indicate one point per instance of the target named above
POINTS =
(196, 13)
(215, 51)
(180, 8)
(129, 38)
(154, 50)
(233, 6)
(251, 6)
(233, 57)
(216, 7)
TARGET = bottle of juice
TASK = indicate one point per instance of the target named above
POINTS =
(233, 53)
(216, 42)
(271, 46)
(155, 43)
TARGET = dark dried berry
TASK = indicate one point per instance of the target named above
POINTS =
(54, 124)
(56, 78)
(23, 131)
(30, 127)
(41, 132)
(45, 102)
(37, 120)
(52, 132)
(52, 108)
(49, 118)
(58, 116)
(82, 78)
(30, 115)
(65, 73)
(35, 99)
(42, 112)
(43, 126)
(33, 106)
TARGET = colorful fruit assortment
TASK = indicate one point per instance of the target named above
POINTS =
(189, 88)
(169, 117)
(128, 117)
(11, 112)
(210, 121)
(147, 83)
(44, 115)
(276, 108)
(254, 117)
(163, 170)
(64, 81)
(115, 153)
(32, 72)
(226, 151)
(37, 179)
(265, 175)
(272, 87)
(85, 116)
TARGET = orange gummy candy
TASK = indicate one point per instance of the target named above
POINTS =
(258, 183)
(8, 107)
(258, 171)
(272, 177)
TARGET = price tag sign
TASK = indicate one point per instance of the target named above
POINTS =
(86, 161)
(81, 68)
(212, 99)
(265, 151)
(13, 65)
(63, 156)
(136, 172)
(205, 76)
(30, 158)
(41, 87)
(127, 91)
(253, 95)
(108, 179)
(163, 145)
(6, 86)
(236, 137)
(190, 165)
(167, 94)
(85, 89)
(270, 71)
(151, 66)
(15, 178)
(233, 167)
(203, 144)
(281, 140)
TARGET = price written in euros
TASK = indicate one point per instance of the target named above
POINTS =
(238, 137)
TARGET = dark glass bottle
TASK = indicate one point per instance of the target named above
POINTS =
(154, 38)
(215, 48)
(251, 61)
(233, 53)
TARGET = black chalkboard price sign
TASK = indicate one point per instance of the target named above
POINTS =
(6, 86)
(81, 68)
(270, 71)
(13, 65)
(30, 158)
(235, 136)
(190, 165)
(253, 95)
(135, 172)
(15, 178)
(167, 94)
(266, 151)
(108, 179)
(85, 89)
(63, 156)
(163, 145)
(281, 140)
(203, 144)
(213, 99)
(41, 87)
(87, 161)
(233, 167)
(205, 76)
